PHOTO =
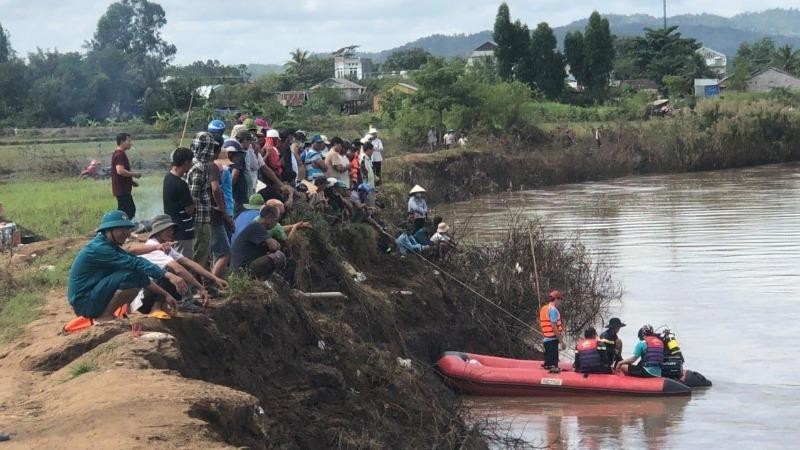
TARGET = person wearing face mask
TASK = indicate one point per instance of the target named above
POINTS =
(417, 206)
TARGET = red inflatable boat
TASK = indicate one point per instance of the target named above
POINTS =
(491, 375)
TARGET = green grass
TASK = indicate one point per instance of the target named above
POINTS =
(71, 207)
(21, 158)
(20, 309)
(82, 368)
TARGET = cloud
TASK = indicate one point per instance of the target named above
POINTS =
(265, 31)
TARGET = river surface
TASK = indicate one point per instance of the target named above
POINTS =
(716, 255)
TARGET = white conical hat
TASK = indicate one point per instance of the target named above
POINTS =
(415, 189)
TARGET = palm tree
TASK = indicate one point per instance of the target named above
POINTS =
(787, 59)
(299, 59)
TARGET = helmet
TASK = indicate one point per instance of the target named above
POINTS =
(273, 133)
(216, 126)
(646, 330)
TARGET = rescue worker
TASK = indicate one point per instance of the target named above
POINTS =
(650, 353)
(612, 342)
(590, 354)
(552, 331)
(672, 367)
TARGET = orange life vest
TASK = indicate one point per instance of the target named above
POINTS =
(544, 321)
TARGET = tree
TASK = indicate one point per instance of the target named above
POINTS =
(786, 59)
(504, 36)
(752, 57)
(598, 55)
(298, 59)
(6, 52)
(591, 55)
(410, 59)
(438, 84)
(211, 71)
(661, 54)
(548, 64)
(128, 47)
(575, 54)
(302, 73)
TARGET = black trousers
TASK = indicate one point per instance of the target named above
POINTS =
(151, 298)
(126, 205)
(376, 168)
(551, 353)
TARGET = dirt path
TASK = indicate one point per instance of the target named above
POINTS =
(130, 399)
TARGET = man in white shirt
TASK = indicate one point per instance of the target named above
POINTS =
(377, 153)
(158, 251)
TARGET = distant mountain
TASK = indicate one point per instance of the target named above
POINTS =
(439, 45)
(723, 34)
(256, 70)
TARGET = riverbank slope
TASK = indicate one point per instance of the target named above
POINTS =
(717, 135)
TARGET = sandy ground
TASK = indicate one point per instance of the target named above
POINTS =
(131, 399)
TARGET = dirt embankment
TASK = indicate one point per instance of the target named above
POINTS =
(265, 368)
(671, 146)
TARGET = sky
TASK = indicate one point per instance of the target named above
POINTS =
(265, 31)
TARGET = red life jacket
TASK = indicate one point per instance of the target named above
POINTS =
(544, 321)
(654, 355)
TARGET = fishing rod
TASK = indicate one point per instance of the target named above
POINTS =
(478, 294)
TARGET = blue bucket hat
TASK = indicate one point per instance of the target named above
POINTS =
(316, 138)
(365, 187)
(114, 219)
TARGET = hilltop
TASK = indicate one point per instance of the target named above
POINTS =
(724, 34)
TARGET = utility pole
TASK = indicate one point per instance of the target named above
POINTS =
(665, 14)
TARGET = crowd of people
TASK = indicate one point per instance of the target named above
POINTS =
(653, 356)
(226, 200)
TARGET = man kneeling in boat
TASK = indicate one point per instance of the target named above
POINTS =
(591, 355)
(650, 352)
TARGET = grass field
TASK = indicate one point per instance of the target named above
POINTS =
(33, 158)
(71, 207)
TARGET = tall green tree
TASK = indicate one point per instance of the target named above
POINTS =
(129, 48)
(598, 55)
(591, 55)
(548, 63)
(6, 52)
(505, 37)
(409, 59)
(575, 54)
(303, 71)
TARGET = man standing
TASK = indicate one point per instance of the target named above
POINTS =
(104, 277)
(199, 180)
(552, 331)
(336, 163)
(313, 161)
(612, 342)
(365, 165)
(432, 139)
(178, 202)
(377, 154)
(122, 177)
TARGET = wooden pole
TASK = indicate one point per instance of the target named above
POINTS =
(535, 269)
(186, 122)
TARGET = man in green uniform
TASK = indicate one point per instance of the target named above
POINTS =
(104, 277)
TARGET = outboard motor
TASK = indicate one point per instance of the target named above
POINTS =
(672, 367)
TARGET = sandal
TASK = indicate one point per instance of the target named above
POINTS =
(161, 315)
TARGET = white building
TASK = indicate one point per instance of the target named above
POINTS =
(485, 50)
(347, 65)
(715, 60)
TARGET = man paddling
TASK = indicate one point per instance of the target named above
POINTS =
(552, 330)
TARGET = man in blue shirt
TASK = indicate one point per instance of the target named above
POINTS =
(650, 353)
(104, 277)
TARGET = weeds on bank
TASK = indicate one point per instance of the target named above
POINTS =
(82, 368)
(22, 292)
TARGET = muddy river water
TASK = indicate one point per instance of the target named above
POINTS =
(715, 255)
